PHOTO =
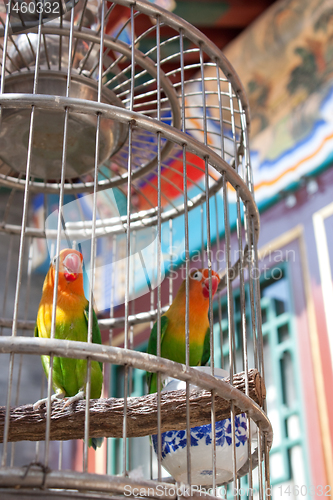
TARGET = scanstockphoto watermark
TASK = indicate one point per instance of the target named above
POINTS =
(220, 256)
(269, 266)
(265, 272)
(180, 490)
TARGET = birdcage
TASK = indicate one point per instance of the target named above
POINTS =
(124, 135)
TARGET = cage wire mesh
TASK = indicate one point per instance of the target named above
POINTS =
(124, 136)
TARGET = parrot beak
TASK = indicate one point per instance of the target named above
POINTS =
(205, 286)
(72, 265)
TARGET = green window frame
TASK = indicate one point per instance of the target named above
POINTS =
(282, 377)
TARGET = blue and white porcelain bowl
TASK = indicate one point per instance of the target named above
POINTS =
(174, 445)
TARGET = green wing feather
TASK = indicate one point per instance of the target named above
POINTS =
(96, 333)
(97, 339)
(206, 349)
(152, 343)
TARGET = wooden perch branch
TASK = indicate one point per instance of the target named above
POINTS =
(106, 415)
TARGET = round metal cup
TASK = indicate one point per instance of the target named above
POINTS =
(48, 130)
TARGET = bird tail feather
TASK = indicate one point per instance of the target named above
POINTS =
(96, 442)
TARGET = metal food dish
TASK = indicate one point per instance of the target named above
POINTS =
(53, 53)
(48, 128)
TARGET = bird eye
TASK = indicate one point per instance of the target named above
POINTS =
(197, 276)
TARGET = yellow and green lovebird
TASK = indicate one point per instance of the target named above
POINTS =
(173, 345)
(69, 375)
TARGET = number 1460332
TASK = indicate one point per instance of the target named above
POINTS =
(304, 491)
(35, 7)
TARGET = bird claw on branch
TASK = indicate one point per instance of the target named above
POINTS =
(59, 395)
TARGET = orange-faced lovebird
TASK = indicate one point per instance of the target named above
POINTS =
(69, 375)
(173, 345)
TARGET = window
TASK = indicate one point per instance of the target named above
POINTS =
(284, 402)
(288, 457)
